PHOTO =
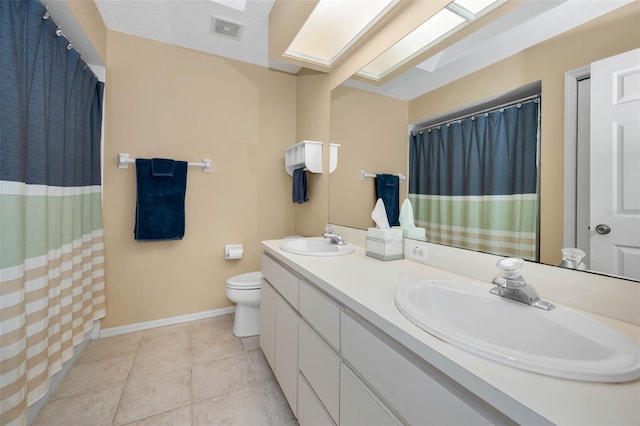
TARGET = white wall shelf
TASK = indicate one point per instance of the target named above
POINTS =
(307, 154)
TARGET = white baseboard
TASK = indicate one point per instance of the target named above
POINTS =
(115, 331)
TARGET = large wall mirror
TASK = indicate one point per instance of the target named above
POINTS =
(371, 121)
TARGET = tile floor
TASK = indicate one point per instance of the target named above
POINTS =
(194, 373)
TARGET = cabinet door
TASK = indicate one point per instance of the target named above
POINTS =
(268, 322)
(286, 351)
(358, 405)
(310, 409)
(322, 313)
(320, 367)
(415, 395)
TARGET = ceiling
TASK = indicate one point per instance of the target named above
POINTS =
(188, 23)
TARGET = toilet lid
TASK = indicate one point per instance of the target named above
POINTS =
(248, 281)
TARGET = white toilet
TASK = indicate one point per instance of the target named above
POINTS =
(244, 290)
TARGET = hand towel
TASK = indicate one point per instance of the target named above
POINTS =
(299, 192)
(160, 199)
(162, 167)
(388, 188)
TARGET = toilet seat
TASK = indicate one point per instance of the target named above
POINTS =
(248, 281)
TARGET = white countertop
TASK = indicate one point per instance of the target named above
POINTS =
(367, 286)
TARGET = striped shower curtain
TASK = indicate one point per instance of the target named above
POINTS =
(51, 242)
(473, 182)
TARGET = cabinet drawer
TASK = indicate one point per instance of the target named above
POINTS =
(358, 405)
(321, 312)
(282, 280)
(413, 394)
(310, 410)
(320, 366)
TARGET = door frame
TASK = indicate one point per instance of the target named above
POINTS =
(571, 79)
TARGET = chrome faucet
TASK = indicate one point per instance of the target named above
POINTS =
(513, 286)
(333, 237)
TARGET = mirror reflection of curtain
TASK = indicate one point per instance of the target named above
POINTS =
(51, 249)
(474, 182)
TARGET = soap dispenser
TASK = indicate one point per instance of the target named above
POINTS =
(572, 259)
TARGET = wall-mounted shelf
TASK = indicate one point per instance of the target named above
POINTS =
(333, 156)
(307, 154)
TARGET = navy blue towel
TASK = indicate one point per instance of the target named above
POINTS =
(388, 188)
(160, 195)
(299, 193)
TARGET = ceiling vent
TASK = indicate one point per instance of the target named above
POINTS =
(224, 28)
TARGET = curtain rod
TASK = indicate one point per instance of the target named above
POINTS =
(532, 98)
(60, 33)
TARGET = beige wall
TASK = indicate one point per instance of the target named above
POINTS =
(372, 131)
(547, 62)
(166, 101)
(313, 104)
(92, 24)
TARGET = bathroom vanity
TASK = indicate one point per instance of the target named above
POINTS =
(344, 354)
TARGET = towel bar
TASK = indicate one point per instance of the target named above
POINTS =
(364, 174)
(124, 161)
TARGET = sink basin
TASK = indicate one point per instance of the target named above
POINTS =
(316, 247)
(562, 342)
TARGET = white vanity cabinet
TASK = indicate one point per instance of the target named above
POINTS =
(279, 326)
(415, 395)
(336, 368)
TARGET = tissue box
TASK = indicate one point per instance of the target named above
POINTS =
(413, 233)
(385, 250)
(385, 234)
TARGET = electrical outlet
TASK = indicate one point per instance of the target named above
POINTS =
(417, 252)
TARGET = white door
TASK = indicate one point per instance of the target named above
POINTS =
(615, 165)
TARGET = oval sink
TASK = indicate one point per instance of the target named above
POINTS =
(316, 247)
(562, 342)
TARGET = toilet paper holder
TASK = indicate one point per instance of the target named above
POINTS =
(233, 251)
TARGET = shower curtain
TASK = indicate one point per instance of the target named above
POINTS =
(51, 242)
(474, 182)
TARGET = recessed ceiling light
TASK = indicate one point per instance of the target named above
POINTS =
(334, 26)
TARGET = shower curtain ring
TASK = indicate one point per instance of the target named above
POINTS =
(46, 15)
(59, 32)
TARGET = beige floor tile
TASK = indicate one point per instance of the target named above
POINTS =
(176, 417)
(239, 407)
(213, 347)
(160, 336)
(151, 360)
(251, 343)
(93, 408)
(154, 394)
(275, 402)
(110, 347)
(259, 365)
(213, 326)
(220, 376)
(86, 376)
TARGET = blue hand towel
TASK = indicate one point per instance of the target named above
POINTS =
(160, 196)
(162, 167)
(388, 188)
(299, 193)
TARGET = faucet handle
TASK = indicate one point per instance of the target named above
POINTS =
(328, 229)
(510, 266)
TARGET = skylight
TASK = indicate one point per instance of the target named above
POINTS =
(341, 23)
(440, 26)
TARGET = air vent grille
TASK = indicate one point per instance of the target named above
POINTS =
(224, 28)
